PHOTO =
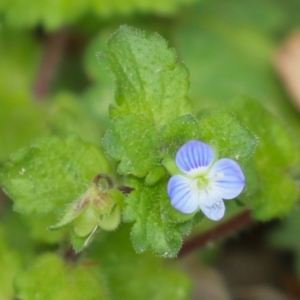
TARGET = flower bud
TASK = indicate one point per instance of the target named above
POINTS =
(95, 208)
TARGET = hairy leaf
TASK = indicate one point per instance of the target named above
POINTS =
(157, 225)
(51, 173)
(148, 78)
(133, 140)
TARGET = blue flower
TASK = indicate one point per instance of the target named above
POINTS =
(204, 182)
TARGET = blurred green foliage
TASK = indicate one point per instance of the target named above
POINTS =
(236, 103)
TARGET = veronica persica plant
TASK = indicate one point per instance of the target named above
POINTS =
(204, 182)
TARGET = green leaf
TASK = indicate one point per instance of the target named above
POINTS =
(157, 225)
(276, 145)
(275, 157)
(51, 14)
(148, 78)
(21, 118)
(18, 235)
(277, 195)
(19, 59)
(68, 114)
(51, 173)
(221, 130)
(20, 122)
(10, 264)
(133, 140)
(231, 139)
(54, 14)
(49, 278)
(38, 228)
(178, 132)
(96, 74)
(137, 276)
(225, 133)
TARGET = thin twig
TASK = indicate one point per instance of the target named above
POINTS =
(236, 223)
(53, 52)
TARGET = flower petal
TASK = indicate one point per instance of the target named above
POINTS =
(194, 156)
(182, 196)
(227, 178)
(211, 205)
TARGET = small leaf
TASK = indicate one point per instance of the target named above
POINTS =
(133, 140)
(51, 173)
(157, 225)
(149, 79)
(230, 138)
(71, 213)
(276, 145)
(220, 130)
(178, 132)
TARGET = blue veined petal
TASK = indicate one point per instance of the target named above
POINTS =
(194, 155)
(183, 196)
(211, 205)
(227, 178)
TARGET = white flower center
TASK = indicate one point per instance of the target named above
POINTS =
(202, 181)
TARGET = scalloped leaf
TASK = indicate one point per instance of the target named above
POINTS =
(224, 132)
(51, 173)
(148, 78)
(177, 132)
(133, 140)
(157, 225)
